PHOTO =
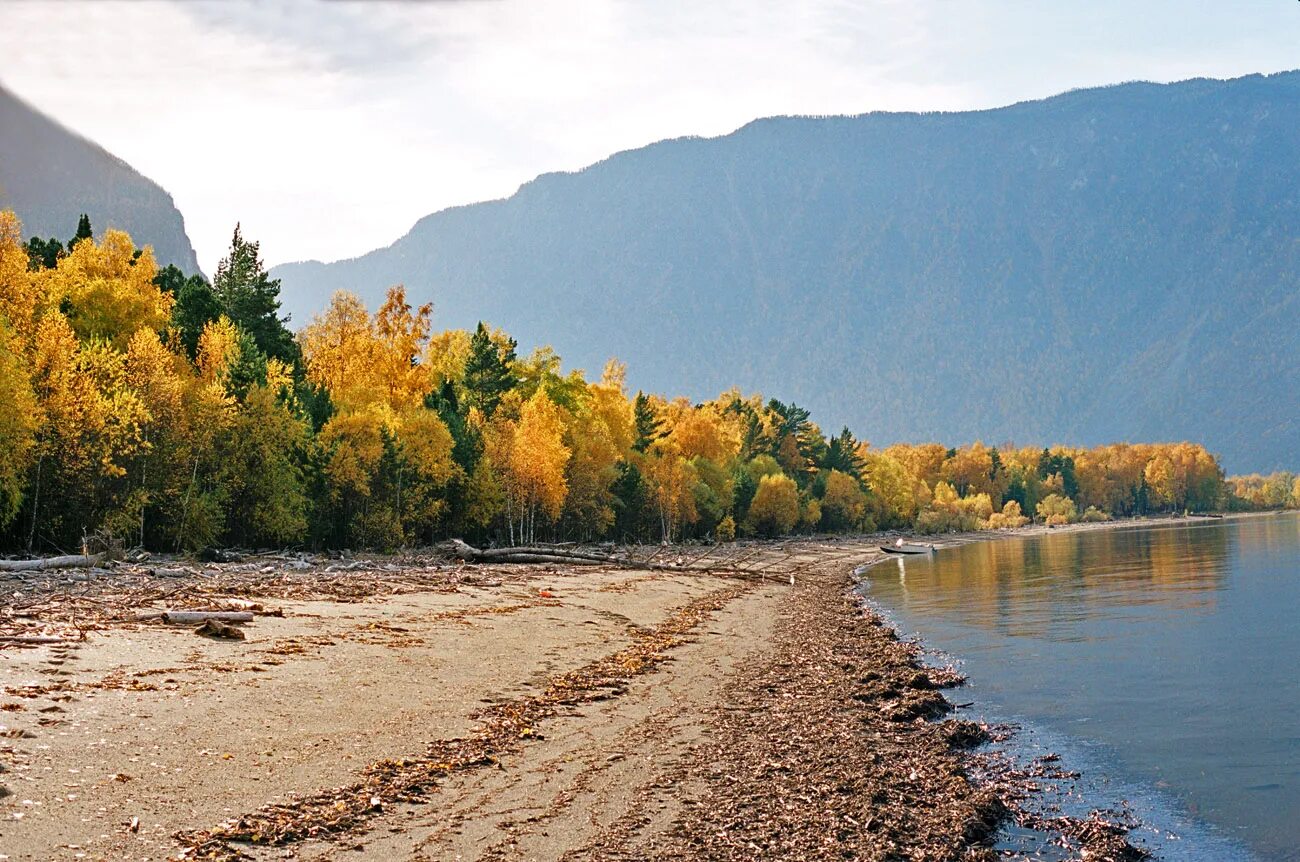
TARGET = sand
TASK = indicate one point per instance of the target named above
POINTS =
(733, 719)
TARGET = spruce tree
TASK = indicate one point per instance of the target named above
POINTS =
(251, 299)
(647, 423)
(196, 305)
(43, 254)
(489, 371)
(83, 232)
(842, 455)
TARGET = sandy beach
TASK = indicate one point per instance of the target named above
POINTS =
(442, 711)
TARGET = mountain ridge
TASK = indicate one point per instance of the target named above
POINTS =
(50, 174)
(1023, 272)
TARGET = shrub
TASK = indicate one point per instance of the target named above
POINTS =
(948, 513)
(1009, 518)
(1056, 509)
(726, 531)
(1093, 514)
(775, 509)
(943, 521)
(843, 506)
(810, 515)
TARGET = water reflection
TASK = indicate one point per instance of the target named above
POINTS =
(1062, 578)
(1171, 650)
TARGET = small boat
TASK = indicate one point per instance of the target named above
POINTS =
(907, 549)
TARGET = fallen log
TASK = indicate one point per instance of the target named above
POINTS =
(178, 617)
(532, 554)
(35, 640)
(561, 556)
(71, 561)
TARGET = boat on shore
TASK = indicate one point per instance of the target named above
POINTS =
(904, 548)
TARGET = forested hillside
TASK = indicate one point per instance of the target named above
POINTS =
(139, 406)
(1108, 264)
(52, 176)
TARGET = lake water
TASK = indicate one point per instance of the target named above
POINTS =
(1163, 661)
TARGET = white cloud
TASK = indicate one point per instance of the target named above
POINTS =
(328, 128)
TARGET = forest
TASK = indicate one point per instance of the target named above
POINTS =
(143, 406)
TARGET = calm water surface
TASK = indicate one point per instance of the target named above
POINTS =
(1164, 661)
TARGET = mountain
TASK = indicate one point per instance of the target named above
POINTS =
(50, 176)
(1107, 264)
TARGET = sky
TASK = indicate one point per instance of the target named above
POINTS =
(328, 127)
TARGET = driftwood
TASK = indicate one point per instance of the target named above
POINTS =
(216, 629)
(203, 616)
(72, 561)
(35, 640)
(732, 564)
(563, 556)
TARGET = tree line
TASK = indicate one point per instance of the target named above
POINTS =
(145, 406)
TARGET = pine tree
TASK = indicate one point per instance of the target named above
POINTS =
(842, 454)
(647, 422)
(489, 371)
(44, 254)
(196, 306)
(251, 299)
(83, 232)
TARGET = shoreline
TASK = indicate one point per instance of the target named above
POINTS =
(1032, 778)
(416, 708)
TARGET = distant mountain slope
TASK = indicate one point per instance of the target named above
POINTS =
(1117, 263)
(50, 175)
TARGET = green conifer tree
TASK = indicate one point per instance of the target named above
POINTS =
(83, 232)
(196, 304)
(647, 424)
(489, 371)
(251, 299)
(43, 254)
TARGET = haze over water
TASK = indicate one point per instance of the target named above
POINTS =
(1167, 657)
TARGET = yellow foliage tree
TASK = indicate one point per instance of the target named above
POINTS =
(446, 355)
(843, 506)
(923, 461)
(535, 465)
(970, 470)
(91, 427)
(23, 296)
(672, 480)
(109, 289)
(775, 509)
(218, 350)
(401, 336)
(1008, 519)
(1055, 509)
(338, 347)
(425, 467)
(699, 432)
(19, 420)
(599, 435)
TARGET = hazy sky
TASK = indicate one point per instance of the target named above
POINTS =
(329, 126)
